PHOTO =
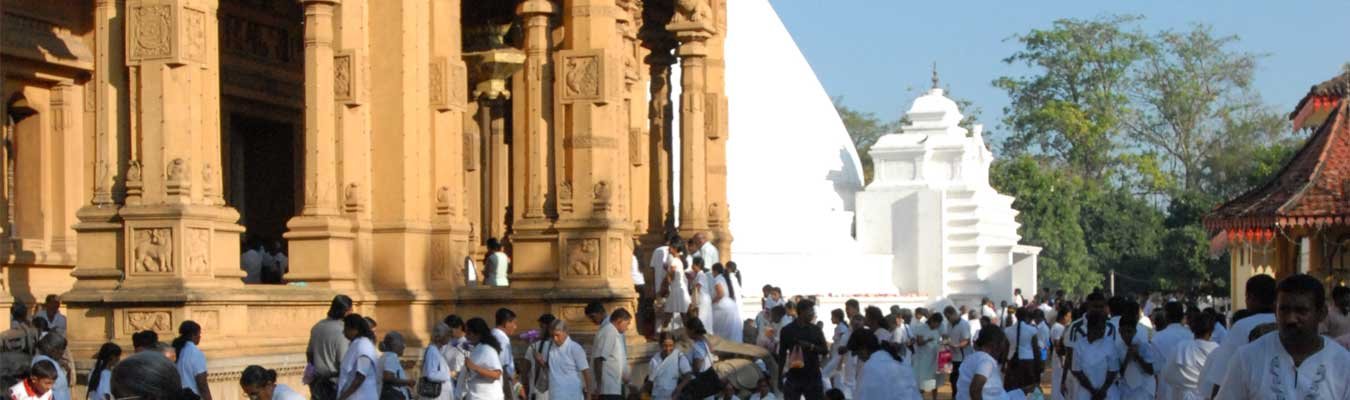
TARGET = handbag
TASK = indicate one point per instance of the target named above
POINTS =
(428, 389)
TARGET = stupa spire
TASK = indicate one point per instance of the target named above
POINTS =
(935, 75)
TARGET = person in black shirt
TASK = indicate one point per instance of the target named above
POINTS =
(803, 334)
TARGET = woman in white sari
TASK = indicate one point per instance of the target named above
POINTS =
(435, 370)
(677, 285)
(703, 293)
(669, 369)
(726, 312)
(927, 336)
(358, 378)
(884, 374)
(484, 365)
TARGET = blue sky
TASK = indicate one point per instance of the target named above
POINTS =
(877, 54)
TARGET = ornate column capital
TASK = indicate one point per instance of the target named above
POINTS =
(529, 8)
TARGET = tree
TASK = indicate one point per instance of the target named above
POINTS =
(1050, 214)
(1193, 101)
(864, 128)
(1069, 108)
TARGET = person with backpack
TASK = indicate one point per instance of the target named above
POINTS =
(17, 346)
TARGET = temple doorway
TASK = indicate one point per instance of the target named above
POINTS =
(262, 175)
(262, 115)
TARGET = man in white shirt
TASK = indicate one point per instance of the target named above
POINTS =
(706, 250)
(958, 342)
(610, 355)
(987, 310)
(51, 311)
(1095, 356)
(1297, 363)
(569, 376)
(1261, 301)
(1018, 300)
(1165, 344)
(506, 326)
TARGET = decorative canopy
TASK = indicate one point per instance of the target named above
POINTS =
(1313, 189)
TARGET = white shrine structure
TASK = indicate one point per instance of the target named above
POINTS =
(795, 190)
(931, 206)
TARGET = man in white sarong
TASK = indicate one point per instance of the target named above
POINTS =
(1165, 344)
(1261, 301)
(1297, 363)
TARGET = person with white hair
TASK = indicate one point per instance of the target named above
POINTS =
(569, 375)
(436, 373)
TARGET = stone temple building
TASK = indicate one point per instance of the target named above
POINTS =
(382, 140)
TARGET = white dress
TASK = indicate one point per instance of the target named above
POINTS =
(884, 378)
(705, 305)
(925, 356)
(1218, 363)
(436, 369)
(1181, 374)
(21, 391)
(666, 372)
(1264, 370)
(566, 364)
(478, 386)
(985, 365)
(360, 358)
(678, 299)
(726, 315)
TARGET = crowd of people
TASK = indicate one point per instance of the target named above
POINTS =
(1290, 342)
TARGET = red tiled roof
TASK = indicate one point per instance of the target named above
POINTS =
(1309, 190)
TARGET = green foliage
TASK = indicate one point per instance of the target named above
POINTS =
(1068, 110)
(1122, 141)
(1050, 208)
(1194, 101)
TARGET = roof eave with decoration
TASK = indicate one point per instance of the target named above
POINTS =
(1311, 190)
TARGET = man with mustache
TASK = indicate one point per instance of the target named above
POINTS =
(1296, 363)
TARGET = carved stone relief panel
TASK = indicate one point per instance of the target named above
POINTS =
(208, 319)
(165, 31)
(583, 257)
(346, 78)
(574, 315)
(588, 141)
(637, 146)
(440, 260)
(198, 250)
(152, 252)
(439, 83)
(583, 76)
(565, 196)
(280, 319)
(160, 321)
(612, 257)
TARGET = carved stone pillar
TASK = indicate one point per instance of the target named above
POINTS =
(532, 239)
(719, 217)
(320, 240)
(492, 69)
(99, 226)
(692, 28)
(175, 234)
(449, 95)
(532, 114)
(595, 234)
(660, 212)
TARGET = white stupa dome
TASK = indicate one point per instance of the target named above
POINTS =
(792, 169)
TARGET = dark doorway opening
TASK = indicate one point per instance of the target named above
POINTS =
(262, 175)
